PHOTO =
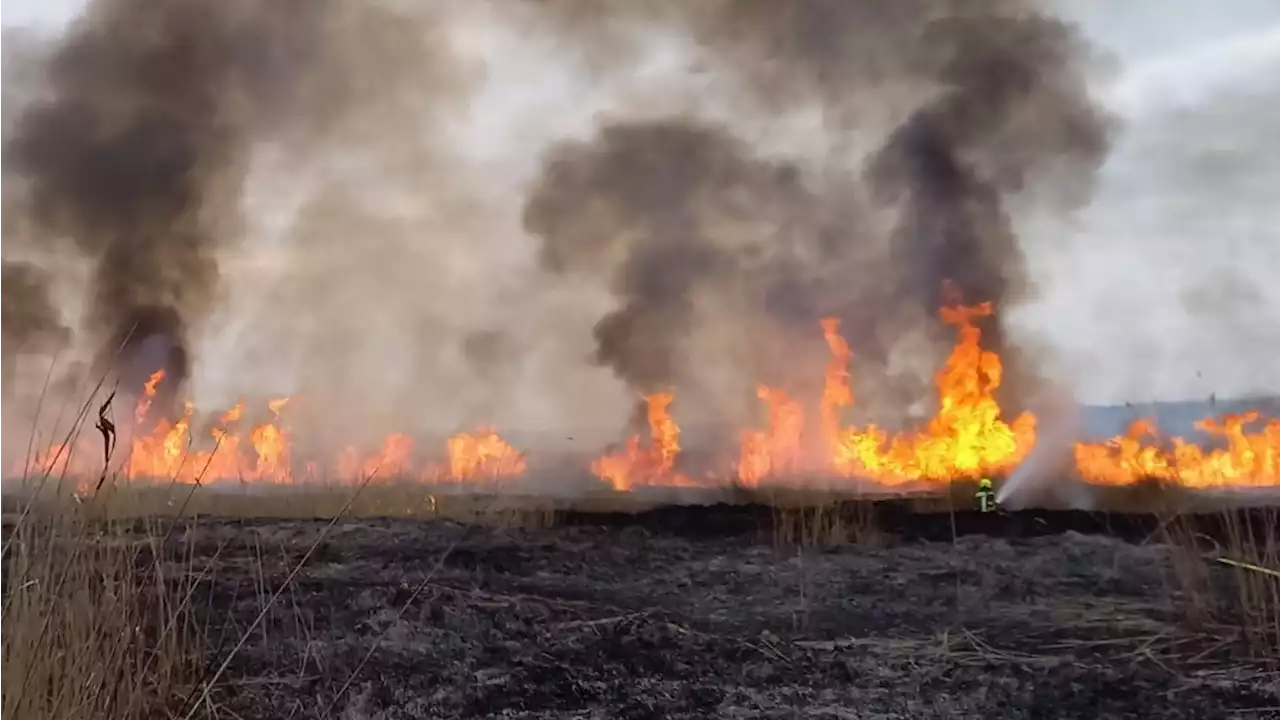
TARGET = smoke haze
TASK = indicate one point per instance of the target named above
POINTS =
(525, 214)
(1004, 95)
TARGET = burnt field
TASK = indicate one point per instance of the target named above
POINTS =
(717, 612)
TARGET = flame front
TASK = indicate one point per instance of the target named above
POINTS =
(652, 463)
(966, 437)
(1245, 458)
(483, 454)
(264, 453)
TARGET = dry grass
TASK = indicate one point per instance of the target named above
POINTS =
(1246, 560)
(1255, 566)
(816, 518)
(95, 626)
(829, 524)
(100, 609)
(390, 499)
(99, 596)
(97, 619)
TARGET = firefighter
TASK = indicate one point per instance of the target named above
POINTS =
(986, 495)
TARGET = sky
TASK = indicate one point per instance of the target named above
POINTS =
(1160, 287)
(43, 14)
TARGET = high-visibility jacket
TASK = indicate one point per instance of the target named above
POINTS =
(986, 496)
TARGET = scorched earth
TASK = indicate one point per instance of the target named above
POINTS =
(412, 619)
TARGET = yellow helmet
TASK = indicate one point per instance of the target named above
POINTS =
(984, 483)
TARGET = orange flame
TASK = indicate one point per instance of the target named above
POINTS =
(168, 451)
(392, 461)
(837, 392)
(148, 393)
(651, 464)
(483, 455)
(1247, 458)
(775, 451)
(966, 437)
(271, 445)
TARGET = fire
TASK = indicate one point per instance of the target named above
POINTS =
(483, 454)
(837, 392)
(392, 460)
(170, 451)
(968, 436)
(1245, 458)
(271, 445)
(649, 463)
(148, 393)
(782, 449)
(775, 451)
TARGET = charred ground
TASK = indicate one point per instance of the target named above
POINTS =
(669, 617)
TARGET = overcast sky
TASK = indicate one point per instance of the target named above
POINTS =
(1165, 285)
(43, 14)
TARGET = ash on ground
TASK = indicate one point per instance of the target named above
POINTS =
(423, 619)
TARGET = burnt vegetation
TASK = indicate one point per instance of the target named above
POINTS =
(465, 606)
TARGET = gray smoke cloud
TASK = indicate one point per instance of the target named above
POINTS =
(695, 235)
(687, 205)
(123, 155)
(427, 218)
(1014, 102)
(1178, 306)
(32, 323)
(136, 146)
(1003, 109)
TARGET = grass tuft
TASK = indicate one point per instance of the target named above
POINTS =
(1233, 580)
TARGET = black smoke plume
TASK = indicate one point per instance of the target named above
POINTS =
(1002, 107)
(136, 147)
(667, 209)
(953, 161)
(31, 321)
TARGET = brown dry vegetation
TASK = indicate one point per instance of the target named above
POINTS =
(97, 621)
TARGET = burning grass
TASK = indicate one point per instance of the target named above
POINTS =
(101, 595)
(801, 440)
(969, 436)
(97, 618)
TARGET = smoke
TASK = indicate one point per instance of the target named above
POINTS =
(1014, 101)
(32, 323)
(684, 205)
(1037, 481)
(426, 218)
(137, 146)
(1001, 108)
(394, 290)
